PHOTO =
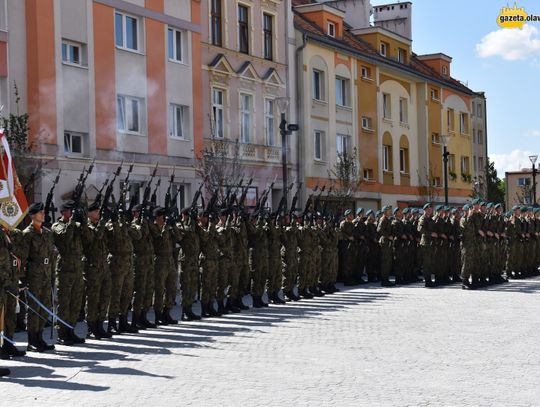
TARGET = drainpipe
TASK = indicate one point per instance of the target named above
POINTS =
(299, 110)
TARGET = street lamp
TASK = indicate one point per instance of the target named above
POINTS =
(444, 140)
(285, 130)
(533, 159)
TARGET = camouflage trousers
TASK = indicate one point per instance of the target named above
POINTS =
(163, 268)
(122, 280)
(225, 266)
(189, 278)
(350, 257)
(327, 266)
(469, 261)
(387, 256)
(209, 280)
(360, 258)
(70, 288)
(98, 291)
(40, 286)
(10, 313)
(373, 262)
(143, 266)
(235, 291)
(275, 277)
(315, 274)
(426, 253)
(289, 266)
(244, 275)
(305, 266)
(259, 272)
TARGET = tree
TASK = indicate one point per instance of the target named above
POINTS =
(431, 188)
(346, 172)
(495, 187)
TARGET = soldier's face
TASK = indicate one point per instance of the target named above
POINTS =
(428, 212)
(66, 213)
(349, 217)
(94, 216)
(38, 217)
(159, 219)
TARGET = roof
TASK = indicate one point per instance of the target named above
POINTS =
(361, 48)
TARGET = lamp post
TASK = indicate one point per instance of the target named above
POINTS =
(285, 129)
(445, 154)
(533, 159)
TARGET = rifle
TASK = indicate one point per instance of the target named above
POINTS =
(196, 196)
(146, 194)
(153, 199)
(125, 189)
(308, 202)
(99, 195)
(50, 209)
(79, 188)
(169, 189)
(325, 207)
(281, 206)
(31, 180)
(108, 192)
(318, 199)
(244, 194)
(295, 199)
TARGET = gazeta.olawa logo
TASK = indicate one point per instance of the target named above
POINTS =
(514, 17)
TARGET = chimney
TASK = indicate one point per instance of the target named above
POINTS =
(395, 17)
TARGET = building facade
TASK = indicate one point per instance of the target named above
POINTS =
(479, 139)
(519, 187)
(109, 80)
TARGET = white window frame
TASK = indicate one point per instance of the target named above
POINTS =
(331, 29)
(435, 94)
(273, 50)
(320, 135)
(444, 70)
(402, 55)
(524, 181)
(452, 162)
(127, 114)
(480, 137)
(475, 164)
(387, 151)
(178, 131)
(403, 110)
(435, 138)
(450, 117)
(316, 73)
(248, 23)
(246, 113)
(368, 174)
(463, 128)
(68, 45)
(367, 123)
(403, 160)
(270, 122)
(464, 164)
(68, 137)
(383, 49)
(138, 35)
(216, 107)
(342, 143)
(366, 73)
(343, 85)
(479, 110)
(387, 106)
(183, 43)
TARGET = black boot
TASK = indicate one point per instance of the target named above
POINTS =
(456, 279)
(257, 302)
(290, 296)
(221, 308)
(205, 311)
(33, 344)
(136, 321)
(189, 315)
(10, 350)
(113, 327)
(93, 330)
(334, 288)
(316, 292)
(276, 299)
(168, 318)
(240, 304)
(4, 371)
(160, 319)
(231, 306)
(387, 283)
(304, 293)
(124, 326)
(212, 311)
(102, 332)
(75, 338)
(64, 336)
(144, 319)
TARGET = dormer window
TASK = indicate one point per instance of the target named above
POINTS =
(331, 29)
(402, 56)
(444, 70)
(384, 49)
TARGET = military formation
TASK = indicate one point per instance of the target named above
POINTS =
(106, 261)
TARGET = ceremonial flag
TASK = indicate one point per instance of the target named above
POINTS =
(13, 204)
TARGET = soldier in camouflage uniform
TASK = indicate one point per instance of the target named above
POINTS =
(189, 263)
(13, 241)
(241, 250)
(164, 235)
(209, 265)
(306, 261)
(275, 276)
(289, 257)
(513, 238)
(96, 273)
(362, 248)
(469, 248)
(224, 238)
(348, 247)
(454, 237)
(426, 228)
(143, 267)
(440, 247)
(258, 258)
(374, 257)
(70, 237)
(329, 257)
(400, 246)
(6, 286)
(121, 235)
(39, 242)
(316, 231)
(386, 240)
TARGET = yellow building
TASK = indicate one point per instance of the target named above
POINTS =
(362, 86)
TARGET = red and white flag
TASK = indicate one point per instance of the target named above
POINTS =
(13, 204)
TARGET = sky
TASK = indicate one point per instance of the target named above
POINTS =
(504, 63)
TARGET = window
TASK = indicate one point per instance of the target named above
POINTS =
(367, 123)
(435, 138)
(133, 192)
(436, 181)
(481, 164)
(269, 122)
(368, 174)
(479, 110)
(475, 166)
(268, 36)
(403, 110)
(319, 144)
(474, 109)
(384, 48)
(245, 117)
(243, 29)
(342, 145)
(331, 29)
(175, 43)
(178, 121)
(73, 143)
(366, 72)
(480, 137)
(127, 31)
(450, 119)
(216, 22)
(318, 85)
(218, 109)
(435, 94)
(452, 162)
(404, 160)
(402, 55)
(465, 167)
(342, 86)
(524, 181)
(71, 53)
(387, 158)
(464, 123)
(387, 113)
(179, 191)
(128, 114)
(444, 70)
(474, 135)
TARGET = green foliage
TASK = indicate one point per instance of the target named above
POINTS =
(346, 172)
(495, 187)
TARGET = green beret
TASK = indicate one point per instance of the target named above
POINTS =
(395, 210)
(94, 206)
(414, 210)
(348, 212)
(489, 205)
(516, 208)
(405, 211)
(428, 205)
(359, 211)
(498, 206)
(439, 207)
(386, 207)
(524, 209)
(454, 210)
(369, 212)
(35, 208)
(476, 201)
(466, 207)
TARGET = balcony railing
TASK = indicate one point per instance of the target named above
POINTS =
(247, 151)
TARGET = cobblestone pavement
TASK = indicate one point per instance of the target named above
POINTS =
(367, 346)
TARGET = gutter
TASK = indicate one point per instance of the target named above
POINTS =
(299, 106)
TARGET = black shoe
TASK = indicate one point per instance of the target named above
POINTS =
(221, 308)
(124, 326)
(387, 283)
(334, 288)
(75, 338)
(11, 350)
(189, 315)
(232, 307)
(160, 318)
(240, 304)
(306, 294)
(143, 319)
(212, 311)
(316, 292)
(4, 371)
(113, 327)
(349, 283)
(168, 318)
(290, 296)
(33, 344)
(205, 311)
(399, 281)
(456, 279)
(93, 330)
(102, 332)
(468, 286)
(429, 284)
(64, 337)
(257, 302)
(276, 299)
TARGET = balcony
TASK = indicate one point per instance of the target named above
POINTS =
(245, 151)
